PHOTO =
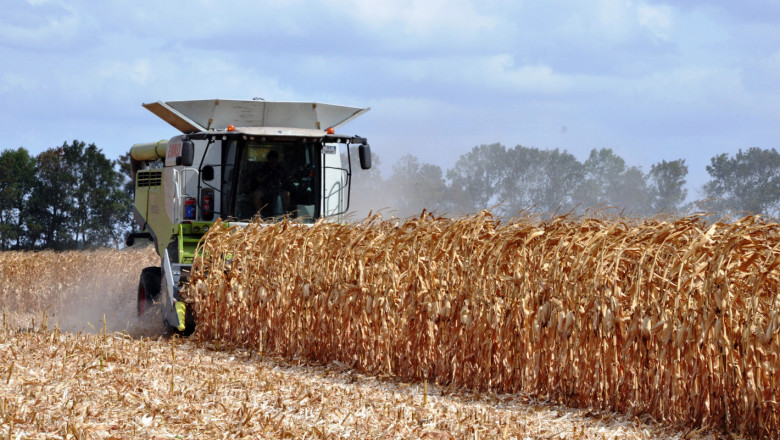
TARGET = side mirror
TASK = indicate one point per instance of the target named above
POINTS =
(365, 156)
(187, 154)
(207, 173)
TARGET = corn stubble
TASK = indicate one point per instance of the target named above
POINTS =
(677, 319)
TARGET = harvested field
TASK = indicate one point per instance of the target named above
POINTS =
(87, 386)
(678, 320)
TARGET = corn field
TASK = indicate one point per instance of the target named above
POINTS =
(31, 282)
(114, 383)
(676, 319)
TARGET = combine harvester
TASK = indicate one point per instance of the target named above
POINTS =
(238, 161)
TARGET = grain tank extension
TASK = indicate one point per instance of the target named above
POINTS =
(239, 161)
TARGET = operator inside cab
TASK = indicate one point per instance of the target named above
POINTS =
(275, 180)
(272, 186)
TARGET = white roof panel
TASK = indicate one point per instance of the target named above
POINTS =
(217, 114)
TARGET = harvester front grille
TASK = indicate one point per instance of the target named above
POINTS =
(149, 178)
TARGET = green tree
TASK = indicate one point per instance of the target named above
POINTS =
(540, 179)
(632, 194)
(602, 172)
(667, 185)
(609, 182)
(560, 176)
(99, 203)
(78, 199)
(747, 182)
(127, 222)
(17, 178)
(519, 187)
(476, 178)
(49, 204)
(417, 186)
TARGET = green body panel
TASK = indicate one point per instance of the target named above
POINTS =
(189, 236)
(150, 203)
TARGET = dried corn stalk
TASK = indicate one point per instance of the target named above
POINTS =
(33, 281)
(676, 319)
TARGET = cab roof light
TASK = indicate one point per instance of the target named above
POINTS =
(231, 127)
(331, 130)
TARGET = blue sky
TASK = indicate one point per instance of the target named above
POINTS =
(652, 80)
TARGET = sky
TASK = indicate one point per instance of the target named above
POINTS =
(652, 80)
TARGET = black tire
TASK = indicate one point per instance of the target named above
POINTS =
(148, 289)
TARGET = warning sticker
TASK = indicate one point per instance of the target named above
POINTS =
(329, 149)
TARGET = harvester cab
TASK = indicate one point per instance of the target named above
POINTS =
(240, 161)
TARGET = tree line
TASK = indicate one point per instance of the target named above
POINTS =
(523, 179)
(74, 197)
(69, 197)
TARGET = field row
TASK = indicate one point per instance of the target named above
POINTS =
(96, 386)
(677, 319)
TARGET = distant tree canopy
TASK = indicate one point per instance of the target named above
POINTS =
(748, 182)
(70, 197)
(523, 179)
(408, 177)
(476, 178)
(666, 182)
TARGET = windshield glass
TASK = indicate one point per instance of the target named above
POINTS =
(277, 179)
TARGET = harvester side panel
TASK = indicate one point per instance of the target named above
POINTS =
(145, 179)
(157, 219)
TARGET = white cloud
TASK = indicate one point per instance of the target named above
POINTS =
(656, 19)
(615, 15)
(49, 25)
(493, 73)
(138, 71)
(166, 77)
(419, 18)
(619, 21)
(698, 86)
(501, 72)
